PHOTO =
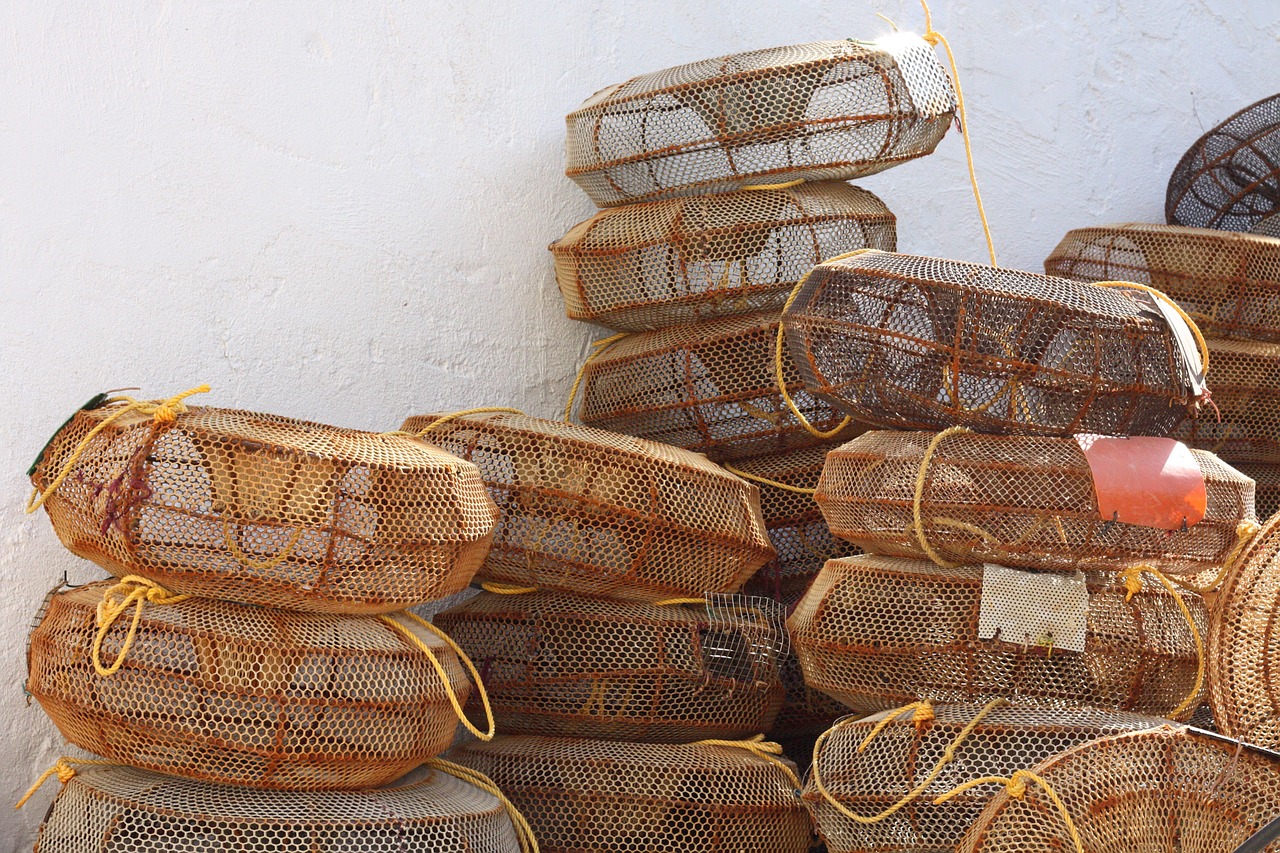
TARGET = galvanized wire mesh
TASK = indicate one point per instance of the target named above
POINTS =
(1245, 378)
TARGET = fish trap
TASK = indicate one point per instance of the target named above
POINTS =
(1245, 377)
(1266, 478)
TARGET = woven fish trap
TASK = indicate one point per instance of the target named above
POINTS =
(667, 263)
(1165, 790)
(880, 632)
(266, 510)
(1230, 178)
(559, 664)
(1266, 478)
(245, 695)
(125, 810)
(1023, 501)
(598, 513)
(909, 342)
(1245, 377)
(888, 768)
(1228, 282)
(708, 387)
(612, 797)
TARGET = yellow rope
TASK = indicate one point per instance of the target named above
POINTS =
(756, 478)
(922, 713)
(506, 588)
(786, 185)
(65, 771)
(1016, 786)
(1201, 344)
(921, 476)
(462, 414)
(163, 412)
(671, 602)
(761, 748)
(596, 349)
(524, 832)
(440, 671)
(1132, 578)
(134, 591)
(248, 562)
(1245, 531)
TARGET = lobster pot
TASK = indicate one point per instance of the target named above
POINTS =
(232, 693)
(710, 387)
(1245, 378)
(896, 763)
(557, 664)
(880, 632)
(594, 512)
(1230, 178)
(125, 810)
(909, 342)
(606, 797)
(1266, 477)
(667, 263)
(267, 510)
(1025, 501)
(1229, 282)
(1165, 790)
(820, 111)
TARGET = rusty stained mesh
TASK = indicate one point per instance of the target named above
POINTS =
(1266, 477)
(239, 694)
(1245, 378)
(820, 111)
(909, 342)
(1025, 501)
(901, 757)
(125, 810)
(594, 512)
(609, 797)
(1230, 178)
(1164, 790)
(1229, 283)
(666, 263)
(558, 664)
(709, 387)
(269, 510)
(880, 632)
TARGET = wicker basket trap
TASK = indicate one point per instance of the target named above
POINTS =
(709, 387)
(1164, 790)
(606, 797)
(831, 109)
(1230, 178)
(598, 513)
(667, 263)
(889, 768)
(124, 810)
(266, 510)
(910, 342)
(880, 632)
(233, 693)
(1245, 378)
(1027, 501)
(1228, 282)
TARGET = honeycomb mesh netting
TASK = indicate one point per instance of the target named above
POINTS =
(1164, 790)
(819, 111)
(1230, 178)
(1245, 378)
(1023, 501)
(268, 510)
(910, 342)
(125, 810)
(1266, 477)
(246, 695)
(559, 664)
(1229, 283)
(608, 797)
(599, 513)
(896, 764)
(667, 263)
(880, 632)
(709, 387)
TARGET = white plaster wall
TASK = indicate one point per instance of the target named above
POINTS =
(339, 210)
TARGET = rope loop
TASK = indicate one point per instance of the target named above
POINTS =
(765, 481)
(918, 500)
(1016, 786)
(760, 748)
(1245, 532)
(524, 832)
(64, 769)
(131, 591)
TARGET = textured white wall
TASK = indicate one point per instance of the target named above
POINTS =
(339, 211)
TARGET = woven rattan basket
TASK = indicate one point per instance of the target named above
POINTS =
(123, 810)
(1230, 177)
(709, 387)
(1165, 790)
(893, 767)
(1245, 378)
(910, 342)
(880, 632)
(588, 511)
(1026, 501)
(667, 263)
(1229, 283)
(605, 797)
(831, 109)
(267, 510)
(247, 695)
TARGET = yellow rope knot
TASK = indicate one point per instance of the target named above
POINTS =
(167, 411)
(131, 591)
(1016, 786)
(65, 771)
(1132, 578)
